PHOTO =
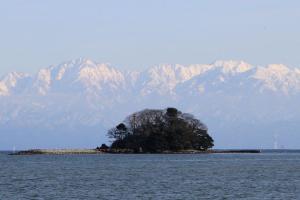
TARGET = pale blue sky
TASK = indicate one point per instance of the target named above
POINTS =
(134, 34)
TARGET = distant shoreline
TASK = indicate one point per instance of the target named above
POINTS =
(95, 151)
(57, 152)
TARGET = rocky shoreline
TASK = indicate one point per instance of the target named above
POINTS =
(96, 151)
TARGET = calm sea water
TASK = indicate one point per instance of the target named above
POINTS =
(213, 176)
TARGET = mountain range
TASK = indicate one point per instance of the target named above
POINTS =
(73, 104)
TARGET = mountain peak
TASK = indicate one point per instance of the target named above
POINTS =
(11, 79)
(233, 66)
(84, 62)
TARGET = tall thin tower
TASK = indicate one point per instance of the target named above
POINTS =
(275, 141)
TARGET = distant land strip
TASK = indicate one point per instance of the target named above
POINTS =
(95, 151)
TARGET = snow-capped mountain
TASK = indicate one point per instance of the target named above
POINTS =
(243, 105)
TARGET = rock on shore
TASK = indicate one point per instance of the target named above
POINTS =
(57, 151)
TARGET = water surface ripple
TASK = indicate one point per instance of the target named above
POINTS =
(208, 176)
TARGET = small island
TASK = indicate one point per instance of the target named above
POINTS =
(152, 131)
(160, 131)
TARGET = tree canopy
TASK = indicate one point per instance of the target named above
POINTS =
(153, 130)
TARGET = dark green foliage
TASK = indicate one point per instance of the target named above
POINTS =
(104, 146)
(160, 130)
(172, 112)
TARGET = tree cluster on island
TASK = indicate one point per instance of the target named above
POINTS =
(156, 131)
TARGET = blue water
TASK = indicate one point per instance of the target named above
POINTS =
(208, 176)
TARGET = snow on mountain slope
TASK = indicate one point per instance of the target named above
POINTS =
(86, 75)
(232, 66)
(43, 81)
(14, 82)
(278, 78)
(81, 75)
(225, 77)
(101, 77)
(3, 89)
(163, 79)
(81, 94)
